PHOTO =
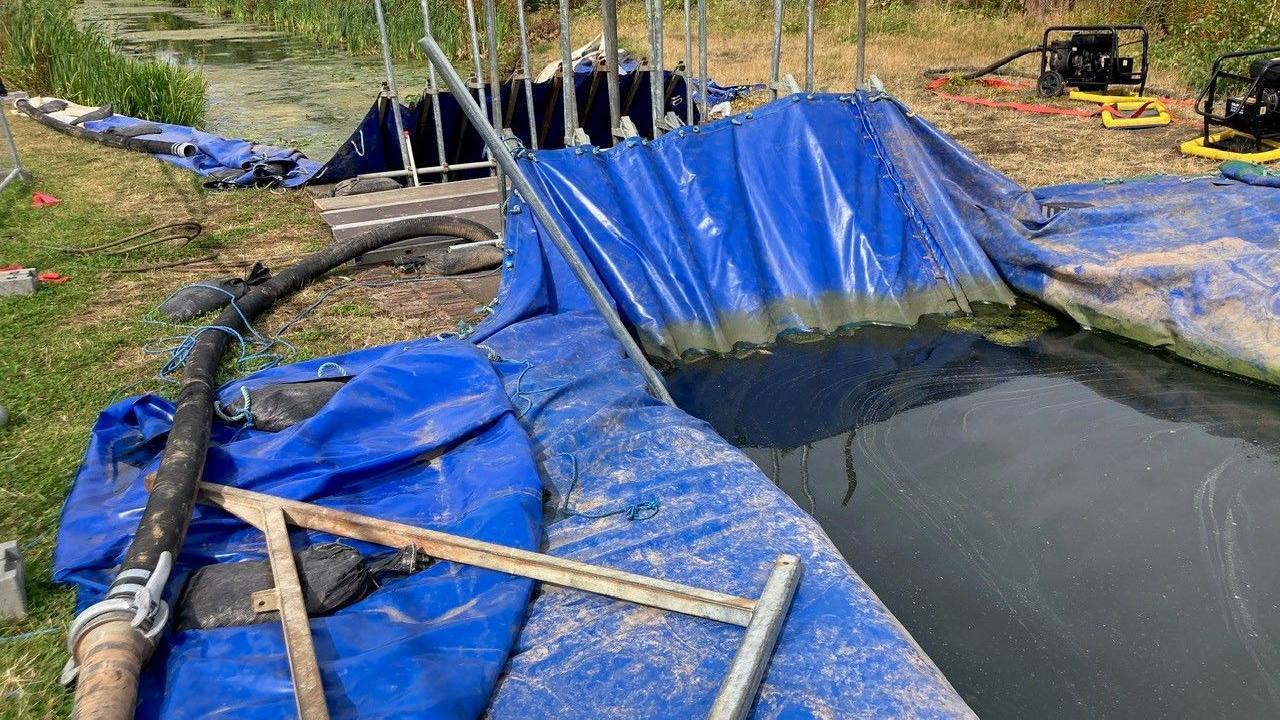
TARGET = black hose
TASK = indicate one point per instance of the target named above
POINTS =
(971, 73)
(163, 526)
(153, 147)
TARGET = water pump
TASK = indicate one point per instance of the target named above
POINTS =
(1089, 58)
(1242, 96)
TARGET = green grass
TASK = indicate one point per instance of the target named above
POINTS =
(43, 51)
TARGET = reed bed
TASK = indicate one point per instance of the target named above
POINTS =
(43, 51)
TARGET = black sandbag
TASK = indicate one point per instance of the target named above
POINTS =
(133, 131)
(333, 576)
(53, 106)
(101, 113)
(274, 407)
(206, 296)
(361, 186)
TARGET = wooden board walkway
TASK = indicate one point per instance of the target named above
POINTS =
(472, 199)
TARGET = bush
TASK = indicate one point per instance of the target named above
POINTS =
(43, 51)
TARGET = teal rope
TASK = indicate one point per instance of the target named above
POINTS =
(642, 510)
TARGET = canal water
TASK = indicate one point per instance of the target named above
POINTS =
(263, 85)
(1071, 527)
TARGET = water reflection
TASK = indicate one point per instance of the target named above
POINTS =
(263, 85)
(1071, 527)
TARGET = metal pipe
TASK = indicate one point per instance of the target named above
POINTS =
(657, 78)
(475, 55)
(702, 58)
(860, 75)
(775, 57)
(688, 64)
(391, 85)
(609, 10)
(16, 171)
(528, 78)
(495, 85)
(498, 149)
(567, 88)
(433, 90)
(433, 169)
(808, 47)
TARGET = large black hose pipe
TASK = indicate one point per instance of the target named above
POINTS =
(110, 646)
(971, 73)
(153, 147)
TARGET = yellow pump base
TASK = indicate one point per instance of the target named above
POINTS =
(1113, 95)
(1118, 115)
(1196, 147)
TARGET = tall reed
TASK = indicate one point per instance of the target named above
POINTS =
(42, 50)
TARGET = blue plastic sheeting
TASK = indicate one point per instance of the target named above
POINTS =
(228, 162)
(424, 434)
(792, 218)
(373, 146)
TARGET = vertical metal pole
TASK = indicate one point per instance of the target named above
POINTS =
(808, 47)
(498, 149)
(391, 88)
(568, 89)
(475, 54)
(688, 65)
(657, 78)
(16, 171)
(528, 78)
(860, 75)
(495, 85)
(609, 13)
(433, 90)
(702, 58)
(775, 59)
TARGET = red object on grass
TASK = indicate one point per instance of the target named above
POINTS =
(52, 278)
(43, 199)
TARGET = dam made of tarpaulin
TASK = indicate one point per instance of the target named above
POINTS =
(792, 408)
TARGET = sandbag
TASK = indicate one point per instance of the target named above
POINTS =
(333, 576)
(274, 407)
(360, 186)
(207, 296)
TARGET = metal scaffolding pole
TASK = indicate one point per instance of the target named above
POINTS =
(775, 57)
(495, 84)
(15, 172)
(433, 90)
(391, 88)
(688, 65)
(609, 11)
(567, 88)
(702, 58)
(527, 79)
(808, 46)
(657, 78)
(860, 75)
(498, 149)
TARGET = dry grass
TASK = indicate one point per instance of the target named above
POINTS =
(1032, 149)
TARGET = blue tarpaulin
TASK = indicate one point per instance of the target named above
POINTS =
(810, 214)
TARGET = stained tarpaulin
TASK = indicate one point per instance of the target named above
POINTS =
(423, 433)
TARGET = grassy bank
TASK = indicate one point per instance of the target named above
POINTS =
(42, 51)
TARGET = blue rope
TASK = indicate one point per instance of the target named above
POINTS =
(244, 415)
(28, 635)
(642, 510)
(520, 392)
(331, 364)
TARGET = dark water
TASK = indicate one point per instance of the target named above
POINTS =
(1070, 528)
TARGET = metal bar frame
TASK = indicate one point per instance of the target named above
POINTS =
(688, 65)
(609, 14)
(432, 169)
(495, 83)
(405, 152)
(500, 153)
(16, 172)
(527, 78)
(775, 57)
(808, 46)
(657, 74)
(568, 89)
(763, 618)
(433, 90)
(860, 72)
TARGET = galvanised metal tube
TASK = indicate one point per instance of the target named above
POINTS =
(702, 58)
(475, 56)
(441, 169)
(775, 58)
(657, 78)
(609, 11)
(688, 64)
(391, 87)
(16, 171)
(498, 149)
(808, 46)
(528, 78)
(495, 85)
(860, 74)
(567, 88)
(433, 90)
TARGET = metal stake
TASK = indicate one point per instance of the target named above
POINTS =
(688, 64)
(609, 10)
(860, 74)
(495, 85)
(16, 172)
(391, 86)
(657, 78)
(498, 150)
(567, 86)
(528, 78)
(702, 59)
(434, 91)
(775, 59)
(808, 47)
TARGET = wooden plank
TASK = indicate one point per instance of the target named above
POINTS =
(740, 684)
(490, 217)
(308, 690)
(422, 192)
(410, 208)
(617, 584)
(403, 200)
